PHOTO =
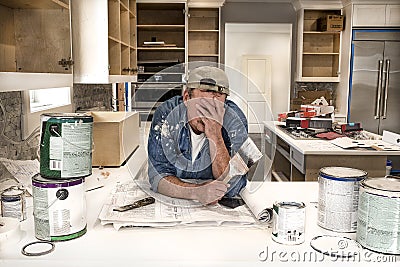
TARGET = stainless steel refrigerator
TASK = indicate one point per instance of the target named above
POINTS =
(374, 98)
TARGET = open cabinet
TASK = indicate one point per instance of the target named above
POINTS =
(35, 44)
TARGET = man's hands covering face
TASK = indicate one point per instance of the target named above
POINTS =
(211, 111)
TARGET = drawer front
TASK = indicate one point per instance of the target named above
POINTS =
(297, 159)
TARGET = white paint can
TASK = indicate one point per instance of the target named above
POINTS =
(13, 203)
(379, 215)
(59, 208)
(338, 198)
(288, 222)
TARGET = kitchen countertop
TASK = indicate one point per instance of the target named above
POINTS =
(316, 147)
(183, 246)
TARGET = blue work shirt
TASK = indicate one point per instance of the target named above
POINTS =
(170, 151)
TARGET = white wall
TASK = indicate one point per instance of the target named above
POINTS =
(263, 39)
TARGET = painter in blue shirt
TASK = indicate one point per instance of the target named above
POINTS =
(192, 139)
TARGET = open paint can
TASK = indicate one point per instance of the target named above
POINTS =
(338, 198)
(378, 227)
(13, 203)
(288, 222)
(59, 208)
(66, 145)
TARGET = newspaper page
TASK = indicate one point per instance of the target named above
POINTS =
(22, 170)
(166, 211)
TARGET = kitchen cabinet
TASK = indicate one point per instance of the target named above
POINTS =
(161, 31)
(203, 34)
(376, 15)
(104, 40)
(318, 52)
(161, 52)
(35, 44)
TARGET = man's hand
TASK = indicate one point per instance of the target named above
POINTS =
(210, 192)
(211, 112)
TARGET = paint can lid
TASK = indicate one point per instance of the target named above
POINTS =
(336, 246)
(342, 173)
(388, 183)
(13, 191)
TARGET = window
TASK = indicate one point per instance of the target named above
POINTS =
(43, 99)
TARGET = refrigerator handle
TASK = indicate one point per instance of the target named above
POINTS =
(379, 91)
(384, 104)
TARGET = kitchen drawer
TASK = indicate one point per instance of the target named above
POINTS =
(297, 159)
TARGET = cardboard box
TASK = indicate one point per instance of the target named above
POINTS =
(115, 137)
(330, 23)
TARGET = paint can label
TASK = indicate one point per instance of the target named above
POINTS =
(288, 223)
(66, 145)
(338, 198)
(13, 203)
(378, 226)
(59, 209)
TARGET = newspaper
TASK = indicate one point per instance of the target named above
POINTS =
(167, 211)
(22, 171)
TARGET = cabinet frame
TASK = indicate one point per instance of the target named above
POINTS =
(321, 62)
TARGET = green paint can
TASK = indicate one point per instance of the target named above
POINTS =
(66, 145)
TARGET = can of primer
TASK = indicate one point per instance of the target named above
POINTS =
(13, 203)
(338, 198)
(288, 222)
(378, 225)
(59, 208)
(66, 145)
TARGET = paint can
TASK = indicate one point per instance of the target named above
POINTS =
(59, 208)
(288, 222)
(338, 198)
(66, 145)
(13, 203)
(378, 226)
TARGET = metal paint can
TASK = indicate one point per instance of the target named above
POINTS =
(288, 222)
(59, 208)
(338, 198)
(378, 226)
(13, 203)
(66, 145)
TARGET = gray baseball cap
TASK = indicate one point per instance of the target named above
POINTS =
(208, 78)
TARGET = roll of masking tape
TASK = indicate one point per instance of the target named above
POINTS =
(10, 231)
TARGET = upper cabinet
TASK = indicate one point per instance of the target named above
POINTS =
(376, 15)
(318, 50)
(161, 32)
(203, 34)
(104, 40)
(34, 44)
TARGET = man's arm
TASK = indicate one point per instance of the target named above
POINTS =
(205, 193)
(212, 114)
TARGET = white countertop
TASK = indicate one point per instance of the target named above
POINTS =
(182, 246)
(317, 147)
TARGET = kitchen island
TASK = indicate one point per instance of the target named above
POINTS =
(291, 159)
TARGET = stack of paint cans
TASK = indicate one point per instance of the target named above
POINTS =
(59, 204)
(378, 227)
(338, 198)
